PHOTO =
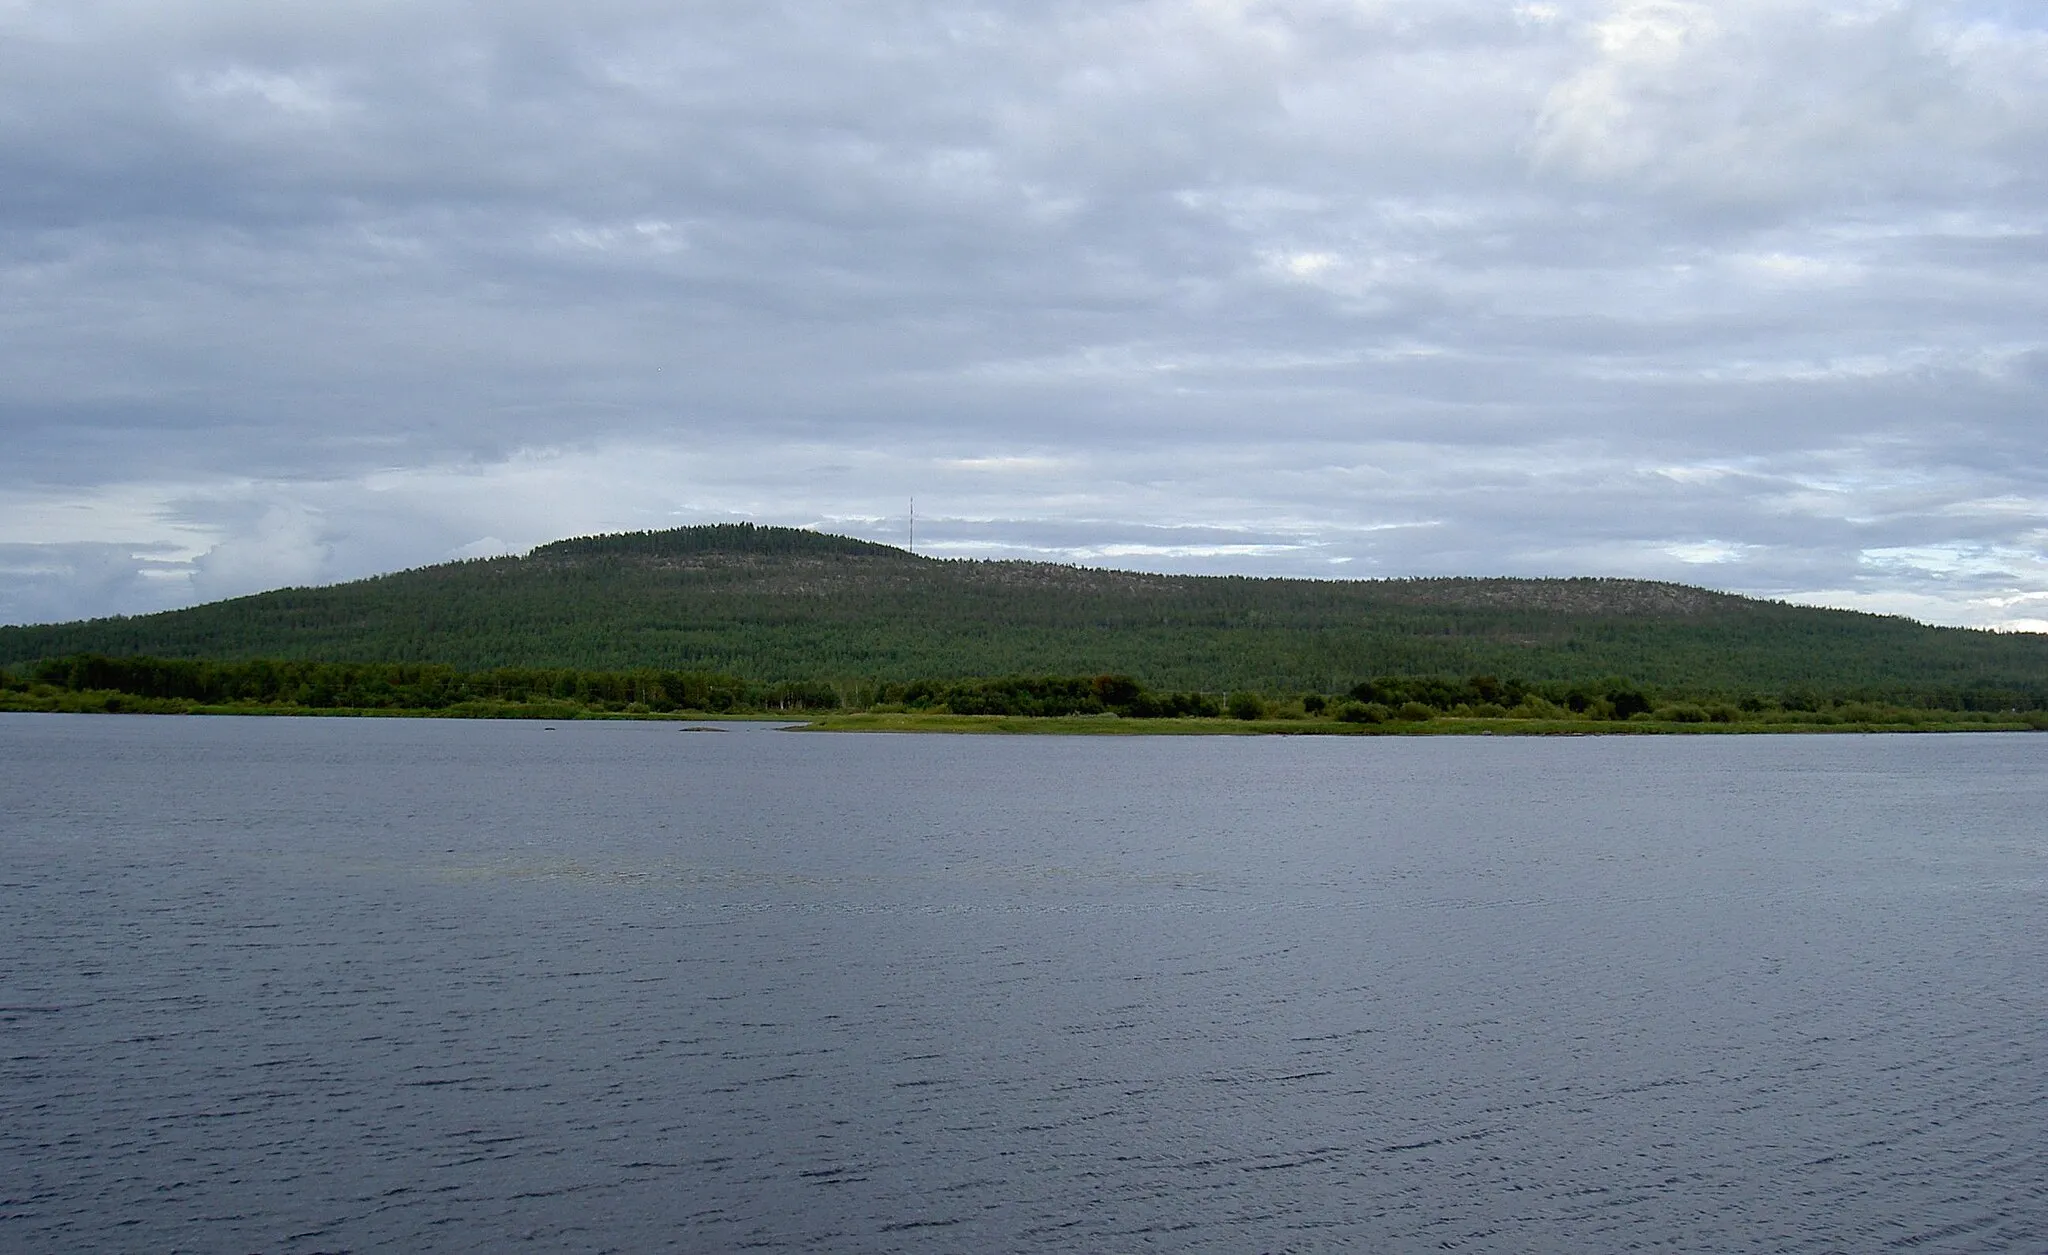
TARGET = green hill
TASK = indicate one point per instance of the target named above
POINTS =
(779, 604)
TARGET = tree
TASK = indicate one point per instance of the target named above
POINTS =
(1117, 690)
(1628, 701)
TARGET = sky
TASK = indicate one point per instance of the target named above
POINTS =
(1751, 295)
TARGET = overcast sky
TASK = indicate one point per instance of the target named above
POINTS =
(1745, 294)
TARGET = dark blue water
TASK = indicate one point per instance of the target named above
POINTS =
(362, 985)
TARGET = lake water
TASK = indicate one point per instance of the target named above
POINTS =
(360, 985)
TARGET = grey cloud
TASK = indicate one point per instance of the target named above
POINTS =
(1296, 268)
(57, 581)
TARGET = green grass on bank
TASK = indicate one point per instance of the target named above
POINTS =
(45, 699)
(1113, 725)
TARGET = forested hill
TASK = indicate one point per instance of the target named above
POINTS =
(781, 604)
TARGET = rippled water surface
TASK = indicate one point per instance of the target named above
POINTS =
(301, 985)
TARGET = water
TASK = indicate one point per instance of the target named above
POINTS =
(301, 985)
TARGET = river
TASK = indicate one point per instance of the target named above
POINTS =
(415, 985)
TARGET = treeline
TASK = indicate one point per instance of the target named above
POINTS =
(414, 686)
(1621, 698)
(1046, 695)
(688, 542)
(398, 686)
(144, 683)
(1411, 698)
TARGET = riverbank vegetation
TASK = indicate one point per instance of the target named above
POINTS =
(1066, 704)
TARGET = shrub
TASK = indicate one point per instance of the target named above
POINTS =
(1244, 705)
(1117, 690)
(1628, 701)
(1315, 703)
(1416, 712)
(1363, 712)
(1682, 713)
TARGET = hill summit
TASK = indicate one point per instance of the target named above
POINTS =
(777, 604)
(687, 544)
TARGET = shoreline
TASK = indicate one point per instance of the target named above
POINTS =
(1060, 725)
(1445, 725)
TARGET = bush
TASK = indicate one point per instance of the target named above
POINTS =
(1628, 701)
(1243, 705)
(1315, 703)
(1173, 706)
(1416, 712)
(1683, 713)
(1117, 690)
(1363, 712)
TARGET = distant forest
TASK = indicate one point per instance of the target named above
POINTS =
(95, 683)
(780, 610)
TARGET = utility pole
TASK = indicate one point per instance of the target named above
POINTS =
(913, 526)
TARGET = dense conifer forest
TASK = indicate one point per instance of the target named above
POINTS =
(781, 615)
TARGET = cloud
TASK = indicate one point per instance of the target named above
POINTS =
(52, 582)
(1744, 292)
(282, 546)
(1791, 105)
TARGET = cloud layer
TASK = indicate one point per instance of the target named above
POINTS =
(1743, 294)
